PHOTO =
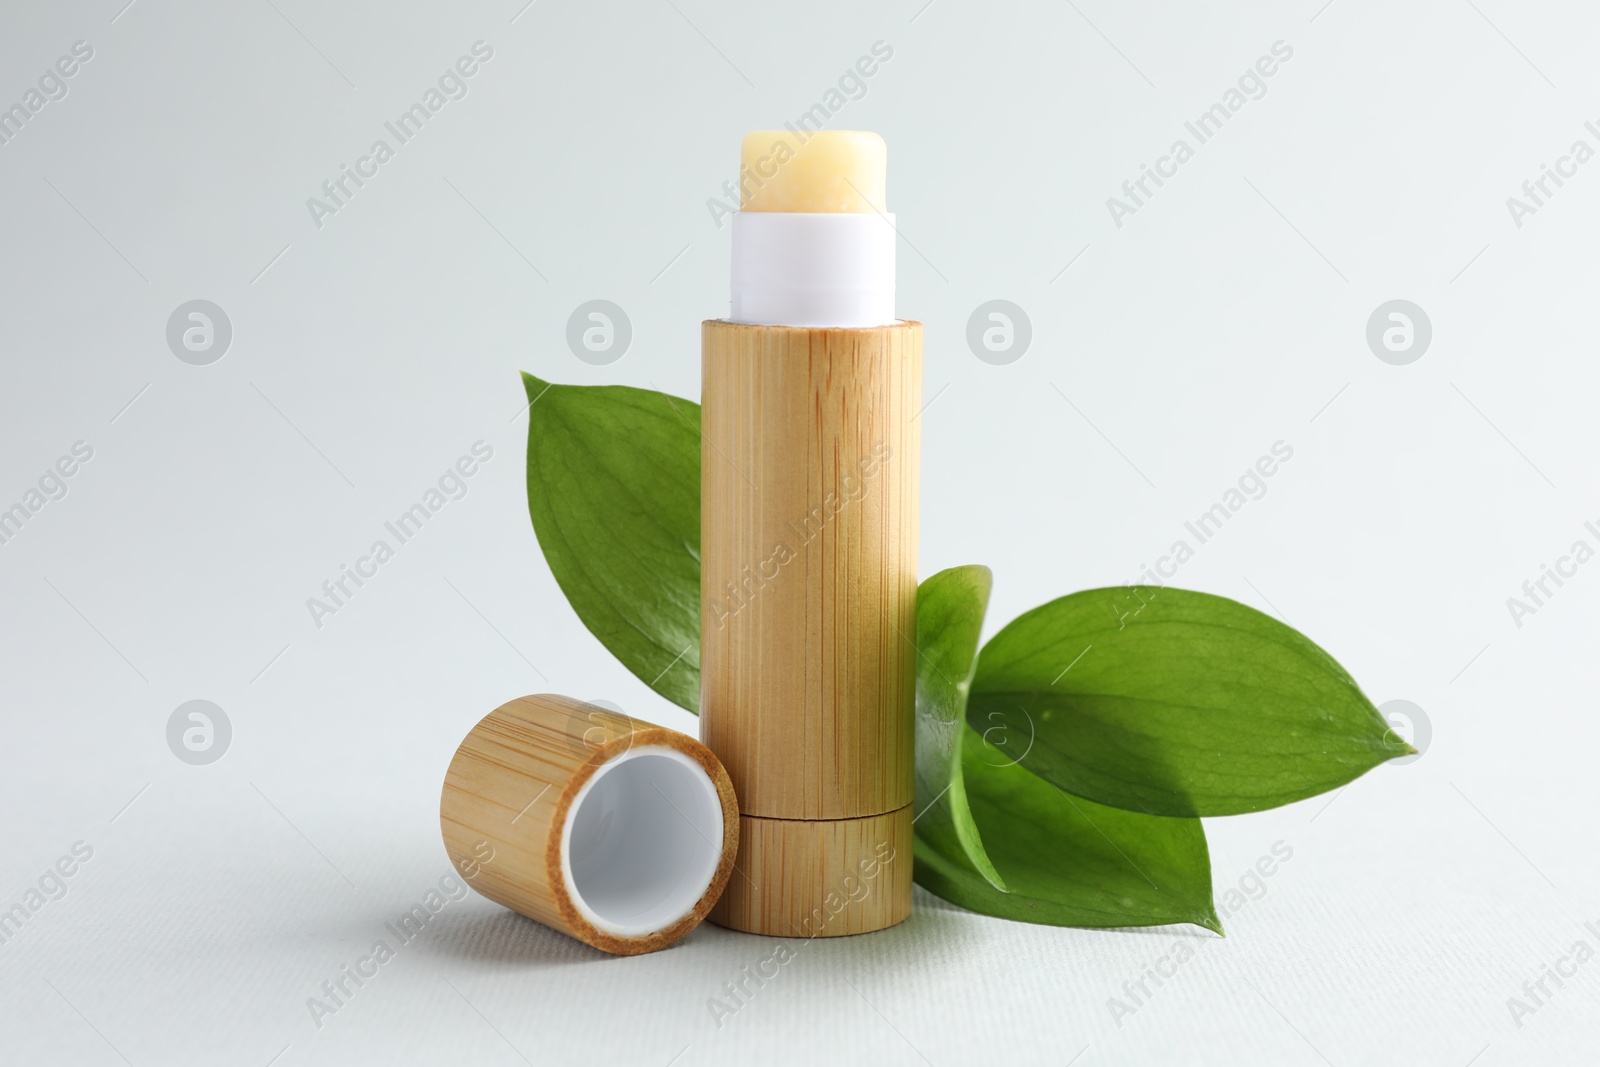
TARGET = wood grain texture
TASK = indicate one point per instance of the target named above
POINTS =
(506, 797)
(809, 483)
(811, 878)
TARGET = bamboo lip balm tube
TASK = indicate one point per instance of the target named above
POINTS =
(809, 542)
(617, 832)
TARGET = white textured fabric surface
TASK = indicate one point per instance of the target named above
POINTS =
(1175, 336)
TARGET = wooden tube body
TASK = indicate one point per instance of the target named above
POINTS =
(809, 497)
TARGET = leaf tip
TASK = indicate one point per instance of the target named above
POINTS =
(533, 384)
(1213, 923)
(1393, 746)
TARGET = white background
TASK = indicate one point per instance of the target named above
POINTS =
(1227, 314)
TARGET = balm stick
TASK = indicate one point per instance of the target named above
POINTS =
(808, 542)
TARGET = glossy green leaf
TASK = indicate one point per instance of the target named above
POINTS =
(1068, 861)
(1173, 702)
(950, 607)
(614, 493)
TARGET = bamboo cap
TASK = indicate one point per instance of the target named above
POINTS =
(617, 832)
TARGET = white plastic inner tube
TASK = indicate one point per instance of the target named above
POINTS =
(642, 840)
(813, 269)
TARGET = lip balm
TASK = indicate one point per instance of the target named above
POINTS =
(809, 482)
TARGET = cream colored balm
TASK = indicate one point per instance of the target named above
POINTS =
(808, 541)
(830, 172)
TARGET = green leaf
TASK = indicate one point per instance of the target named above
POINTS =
(950, 607)
(1069, 861)
(1173, 702)
(614, 493)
